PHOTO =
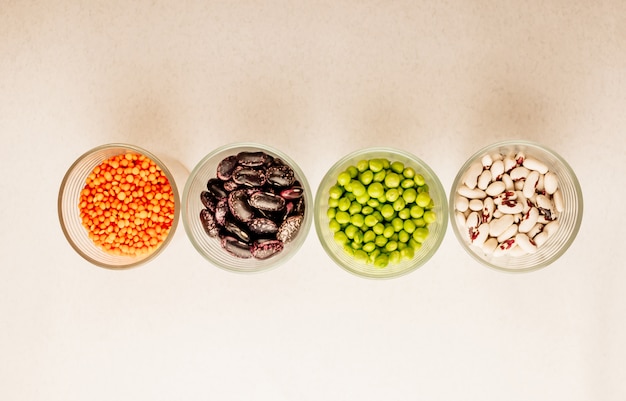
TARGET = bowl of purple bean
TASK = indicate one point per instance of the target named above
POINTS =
(247, 207)
(517, 206)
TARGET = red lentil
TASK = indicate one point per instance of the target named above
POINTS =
(127, 205)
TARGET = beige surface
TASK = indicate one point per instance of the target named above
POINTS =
(317, 79)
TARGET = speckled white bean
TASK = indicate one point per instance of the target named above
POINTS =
(519, 173)
(475, 205)
(471, 193)
(486, 161)
(537, 228)
(512, 207)
(470, 179)
(495, 188)
(529, 221)
(525, 243)
(558, 201)
(508, 233)
(500, 225)
(509, 184)
(497, 169)
(509, 164)
(543, 202)
(481, 235)
(461, 203)
(473, 220)
(534, 164)
(519, 185)
(551, 183)
(484, 180)
(530, 184)
(488, 208)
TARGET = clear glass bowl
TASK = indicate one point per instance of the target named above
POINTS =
(69, 213)
(209, 247)
(437, 229)
(569, 220)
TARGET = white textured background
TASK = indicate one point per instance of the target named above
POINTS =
(316, 79)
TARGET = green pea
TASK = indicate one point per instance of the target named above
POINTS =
(363, 198)
(355, 207)
(394, 237)
(381, 240)
(397, 224)
(430, 217)
(353, 171)
(343, 178)
(357, 220)
(350, 231)
(376, 165)
(381, 261)
(391, 246)
(379, 176)
(408, 172)
(366, 177)
(392, 194)
(388, 231)
(397, 167)
(341, 238)
(358, 189)
(404, 236)
(342, 217)
(362, 165)
(348, 187)
(378, 215)
(348, 249)
(375, 190)
(419, 180)
(373, 202)
(420, 234)
(382, 199)
(368, 247)
(423, 199)
(423, 188)
(387, 211)
(404, 213)
(367, 210)
(409, 226)
(379, 228)
(414, 244)
(369, 236)
(417, 212)
(372, 255)
(358, 238)
(407, 183)
(344, 204)
(370, 220)
(399, 204)
(409, 195)
(407, 253)
(335, 192)
(355, 245)
(334, 225)
(333, 202)
(419, 222)
(361, 255)
(394, 257)
(392, 180)
(331, 212)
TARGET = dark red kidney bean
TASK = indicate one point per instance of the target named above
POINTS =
(264, 249)
(249, 176)
(208, 222)
(236, 231)
(266, 201)
(239, 207)
(226, 167)
(221, 211)
(280, 176)
(214, 187)
(235, 247)
(289, 228)
(262, 226)
(208, 200)
(292, 193)
(253, 159)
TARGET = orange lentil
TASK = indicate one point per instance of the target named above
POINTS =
(126, 205)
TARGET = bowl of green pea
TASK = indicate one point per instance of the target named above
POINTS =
(380, 213)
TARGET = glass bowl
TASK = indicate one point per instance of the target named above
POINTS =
(70, 215)
(569, 219)
(210, 247)
(365, 268)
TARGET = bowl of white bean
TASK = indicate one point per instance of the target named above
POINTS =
(516, 206)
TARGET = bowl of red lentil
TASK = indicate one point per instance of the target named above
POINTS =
(118, 206)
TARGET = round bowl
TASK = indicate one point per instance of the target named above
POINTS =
(514, 259)
(70, 215)
(367, 269)
(210, 247)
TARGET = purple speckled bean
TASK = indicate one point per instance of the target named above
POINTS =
(264, 249)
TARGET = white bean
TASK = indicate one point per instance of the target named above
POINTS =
(495, 188)
(537, 228)
(461, 203)
(473, 220)
(509, 164)
(488, 209)
(511, 207)
(551, 183)
(460, 219)
(500, 225)
(551, 227)
(558, 200)
(508, 182)
(541, 238)
(476, 205)
(489, 246)
(486, 161)
(519, 173)
(497, 169)
(480, 235)
(517, 250)
(484, 179)
(530, 184)
(525, 243)
(534, 164)
(529, 220)
(470, 193)
(508, 233)
(470, 178)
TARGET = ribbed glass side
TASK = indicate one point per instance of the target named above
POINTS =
(209, 247)
(69, 213)
(569, 220)
(436, 230)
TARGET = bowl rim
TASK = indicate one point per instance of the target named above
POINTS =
(528, 144)
(306, 222)
(391, 150)
(172, 183)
